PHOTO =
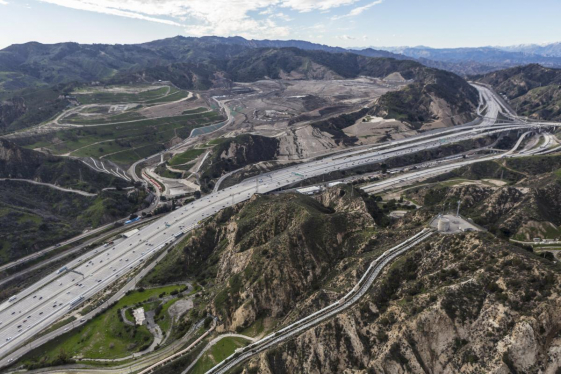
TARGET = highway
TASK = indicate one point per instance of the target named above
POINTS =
(415, 176)
(48, 300)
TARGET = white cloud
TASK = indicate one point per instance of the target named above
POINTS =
(2, 2)
(208, 17)
(358, 10)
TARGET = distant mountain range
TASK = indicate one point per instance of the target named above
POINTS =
(550, 50)
(33, 76)
(32, 64)
(468, 61)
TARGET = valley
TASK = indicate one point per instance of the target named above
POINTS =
(192, 178)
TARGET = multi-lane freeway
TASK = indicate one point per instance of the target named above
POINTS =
(48, 300)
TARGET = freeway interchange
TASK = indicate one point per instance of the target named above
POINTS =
(47, 301)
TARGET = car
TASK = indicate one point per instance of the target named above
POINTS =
(13, 313)
(41, 298)
(82, 320)
(8, 339)
(19, 326)
(28, 317)
(40, 313)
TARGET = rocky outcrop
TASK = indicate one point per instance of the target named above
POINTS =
(467, 305)
(11, 110)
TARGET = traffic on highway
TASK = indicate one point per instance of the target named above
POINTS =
(29, 312)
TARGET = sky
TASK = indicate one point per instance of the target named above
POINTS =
(345, 23)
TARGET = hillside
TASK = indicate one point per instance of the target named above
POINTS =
(204, 63)
(532, 89)
(30, 106)
(21, 163)
(527, 206)
(463, 303)
(434, 95)
(235, 153)
(32, 216)
(263, 256)
(35, 63)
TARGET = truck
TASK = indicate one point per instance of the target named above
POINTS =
(62, 270)
(132, 220)
(12, 298)
(77, 301)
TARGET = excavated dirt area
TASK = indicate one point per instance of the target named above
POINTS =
(286, 108)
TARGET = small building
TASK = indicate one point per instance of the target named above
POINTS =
(139, 316)
(130, 233)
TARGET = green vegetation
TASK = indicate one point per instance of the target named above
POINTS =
(30, 106)
(105, 336)
(133, 139)
(163, 171)
(248, 149)
(532, 89)
(186, 156)
(106, 97)
(33, 217)
(217, 353)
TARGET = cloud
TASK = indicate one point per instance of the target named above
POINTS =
(209, 17)
(113, 8)
(358, 10)
(2, 2)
